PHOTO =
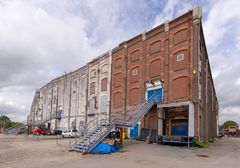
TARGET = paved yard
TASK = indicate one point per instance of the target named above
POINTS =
(24, 152)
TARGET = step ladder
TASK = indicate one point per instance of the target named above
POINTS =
(100, 129)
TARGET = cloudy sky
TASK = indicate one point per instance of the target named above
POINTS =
(41, 39)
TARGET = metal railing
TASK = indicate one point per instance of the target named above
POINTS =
(15, 129)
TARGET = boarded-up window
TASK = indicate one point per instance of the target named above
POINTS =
(180, 36)
(103, 104)
(118, 80)
(134, 96)
(135, 74)
(180, 88)
(135, 55)
(155, 68)
(155, 47)
(118, 63)
(117, 99)
(104, 84)
(92, 106)
(92, 88)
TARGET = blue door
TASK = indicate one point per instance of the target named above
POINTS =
(158, 95)
(150, 95)
(134, 132)
(180, 127)
(155, 94)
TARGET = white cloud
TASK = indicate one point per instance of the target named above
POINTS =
(222, 16)
(40, 40)
(172, 9)
(221, 29)
(167, 13)
(35, 47)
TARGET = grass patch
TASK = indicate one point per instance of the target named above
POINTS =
(122, 151)
(201, 144)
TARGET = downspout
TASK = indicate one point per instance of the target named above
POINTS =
(56, 120)
(86, 94)
(69, 109)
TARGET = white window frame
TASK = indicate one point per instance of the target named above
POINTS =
(180, 57)
(135, 72)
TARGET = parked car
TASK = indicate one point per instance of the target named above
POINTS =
(70, 133)
(58, 130)
(38, 131)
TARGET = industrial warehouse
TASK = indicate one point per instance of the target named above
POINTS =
(157, 83)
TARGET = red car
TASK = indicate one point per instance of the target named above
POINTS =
(39, 131)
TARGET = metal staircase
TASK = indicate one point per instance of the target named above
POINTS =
(100, 129)
(95, 135)
(16, 128)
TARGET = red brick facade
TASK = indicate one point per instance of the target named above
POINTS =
(170, 52)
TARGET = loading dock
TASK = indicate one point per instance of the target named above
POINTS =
(178, 125)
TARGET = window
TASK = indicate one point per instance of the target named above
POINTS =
(104, 84)
(103, 104)
(180, 57)
(135, 72)
(92, 106)
(92, 88)
(104, 68)
(93, 73)
(134, 75)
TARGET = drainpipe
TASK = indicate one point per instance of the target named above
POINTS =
(56, 120)
(69, 109)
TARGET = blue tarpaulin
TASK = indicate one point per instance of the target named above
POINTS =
(104, 148)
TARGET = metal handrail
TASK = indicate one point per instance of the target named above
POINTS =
(128, 118)
(131, 114)
(8, 130)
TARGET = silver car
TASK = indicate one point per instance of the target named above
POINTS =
(70, 133)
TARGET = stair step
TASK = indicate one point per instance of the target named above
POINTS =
(76, 149)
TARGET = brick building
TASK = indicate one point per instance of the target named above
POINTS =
(169, 63)
(171, 58)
